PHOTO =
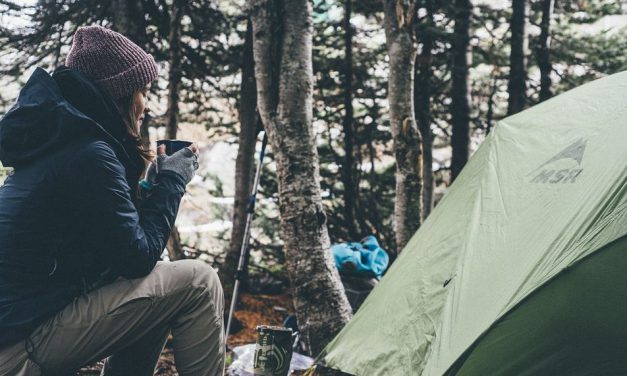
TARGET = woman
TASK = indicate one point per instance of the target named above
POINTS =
(79, 277)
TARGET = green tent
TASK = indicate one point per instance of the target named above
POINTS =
(522, 267)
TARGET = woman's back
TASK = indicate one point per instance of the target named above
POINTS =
(46, 255)
(51, 247)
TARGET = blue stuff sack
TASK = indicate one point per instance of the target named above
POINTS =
(366, 258)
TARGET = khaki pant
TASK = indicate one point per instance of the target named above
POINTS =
(129, 320)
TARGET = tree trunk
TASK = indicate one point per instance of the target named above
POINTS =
(128, 19)
(460, 93)
(543, 50)
(422, 106)
(175, 249)
(244, 164)
(351, 187)
(517, 87)
(399, 16)
(283, 70)
(174, 74)
(385, 239)
(174, 246)
(491, 104)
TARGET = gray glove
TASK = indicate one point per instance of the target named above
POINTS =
(184, 162)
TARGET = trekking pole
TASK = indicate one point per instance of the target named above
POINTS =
(249, 217)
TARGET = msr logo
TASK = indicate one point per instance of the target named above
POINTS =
(564, 167)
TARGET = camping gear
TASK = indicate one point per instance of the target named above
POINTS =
(273, 352)
(242, 364)
(172, 146)
(522, 267)
(250, 210)
(360, 266)
(366, 259)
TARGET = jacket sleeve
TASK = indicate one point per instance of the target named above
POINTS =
(133, 242)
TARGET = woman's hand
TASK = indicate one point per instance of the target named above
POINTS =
(184, 162)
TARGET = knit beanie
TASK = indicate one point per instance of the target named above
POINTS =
(112, 61)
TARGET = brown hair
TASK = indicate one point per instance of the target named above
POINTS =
(126, 106)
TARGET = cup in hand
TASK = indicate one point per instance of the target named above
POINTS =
(172, 146)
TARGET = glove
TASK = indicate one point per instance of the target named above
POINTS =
(184, 162)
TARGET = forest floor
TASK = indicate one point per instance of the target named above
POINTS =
(252, 310)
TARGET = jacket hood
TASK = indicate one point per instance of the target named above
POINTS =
(52, 111)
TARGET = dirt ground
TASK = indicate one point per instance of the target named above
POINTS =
(252, 310)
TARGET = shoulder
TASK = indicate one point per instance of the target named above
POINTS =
(93, 149)
(94, 154)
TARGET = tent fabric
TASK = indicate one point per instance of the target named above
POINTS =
(545, 189)
(574, 325)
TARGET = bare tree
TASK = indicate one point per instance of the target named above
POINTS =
(244, 166)
(174, 246)
(422, 104)
(282, 48)
(543, 50)
(174, 69)
(517, 86)
(399, 17)
(128, 19)
(351, 185)
(460, 92)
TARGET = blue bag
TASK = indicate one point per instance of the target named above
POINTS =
(366, 258)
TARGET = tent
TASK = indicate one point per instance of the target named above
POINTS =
(521, 269)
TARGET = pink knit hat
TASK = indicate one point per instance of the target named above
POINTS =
(116, 64)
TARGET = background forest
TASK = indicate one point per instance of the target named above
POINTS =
(430, 85)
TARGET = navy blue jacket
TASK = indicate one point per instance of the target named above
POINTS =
(69, 220)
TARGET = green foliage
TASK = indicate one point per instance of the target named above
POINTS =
(228, 359)
(216, 186)
(210, 50)
(372, 143)
(589, 11)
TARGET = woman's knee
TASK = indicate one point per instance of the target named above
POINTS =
(206, 283)
(202, 275)
(205, 275)
(194, 276)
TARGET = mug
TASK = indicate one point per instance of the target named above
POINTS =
(172, 146)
